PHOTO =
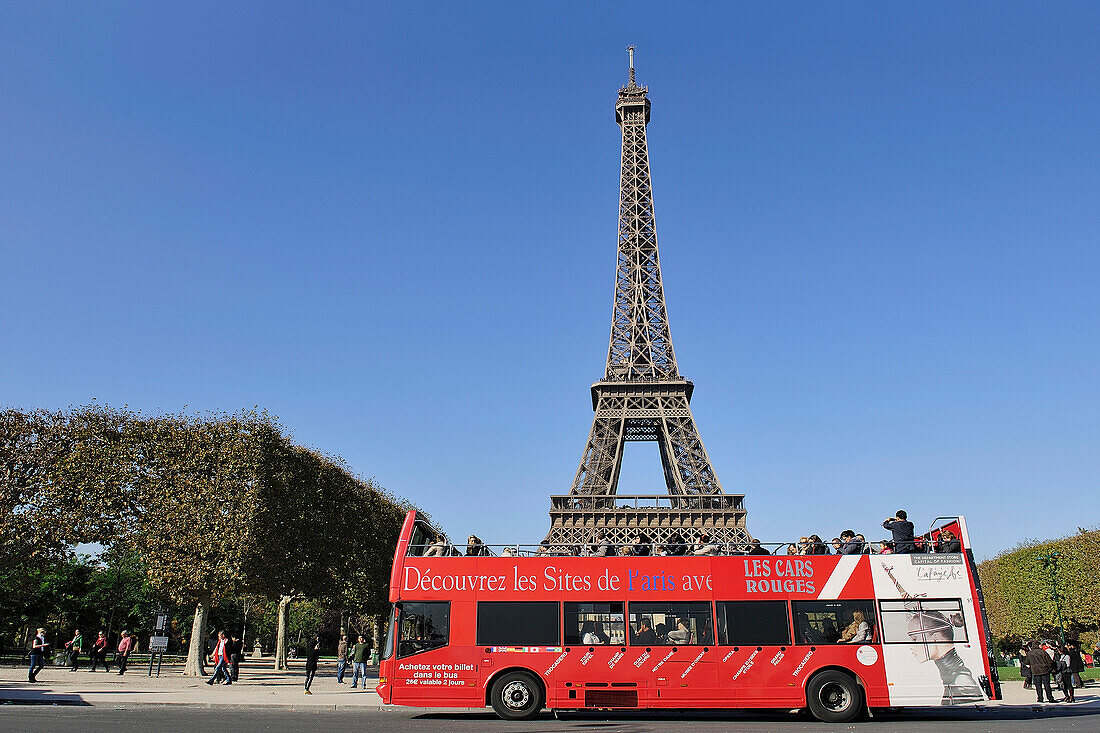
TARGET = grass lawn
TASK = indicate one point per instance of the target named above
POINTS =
(1009, 674)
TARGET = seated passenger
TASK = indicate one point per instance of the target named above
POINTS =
(588, 634)
(437, 549)
(864, 546)
(756, 549)
(602, 546)
(704, 546)
(475, 547)
(681, 634)
(817, 546)
(508, 552)
(804, 547)
(661, 631)
(600, 633)
(836, 543)
(644, 635)
(640, 547)
(807, 632)
(849, 544)
(886, 547)
(857, 632)
(544, 548)
(792, 549)
(948, 542)
(675, 545)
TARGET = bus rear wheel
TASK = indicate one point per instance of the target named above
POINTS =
(516, 696)
(834, 697)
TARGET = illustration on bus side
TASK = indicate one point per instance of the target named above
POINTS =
(929, 626)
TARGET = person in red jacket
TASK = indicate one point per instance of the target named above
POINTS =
(99, 652)
(221, 661)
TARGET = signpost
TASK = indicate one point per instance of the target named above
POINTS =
(158, 642)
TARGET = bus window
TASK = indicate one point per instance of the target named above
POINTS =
(834, 622)
(923, 621)
(594, 623)
(391, 627)
(523, 623)
(424, 626)
(667, 624)
(753, 623)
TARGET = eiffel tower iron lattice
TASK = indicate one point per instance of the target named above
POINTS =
(643, 396)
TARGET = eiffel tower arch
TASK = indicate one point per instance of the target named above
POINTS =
(642, 396)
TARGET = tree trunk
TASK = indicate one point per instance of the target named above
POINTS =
(196, 651)
(280, 637)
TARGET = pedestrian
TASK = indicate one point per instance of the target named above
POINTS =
(1064, 673)
(1076, 664)
(236, 650)
(220, 657)
(125, 646)
(75, 647)
(341, 658)
(39, 649)
(902, 529)
(1025, 667)
(99, 652)
(312, 656)
(359, 654)
(1041, 667)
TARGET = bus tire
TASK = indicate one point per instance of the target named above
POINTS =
(516, 696)
(834, 697)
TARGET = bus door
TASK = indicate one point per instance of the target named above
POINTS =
(756, 657)
(672, 644)
(598, 670)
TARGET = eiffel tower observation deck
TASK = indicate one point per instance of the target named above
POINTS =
(642, 396)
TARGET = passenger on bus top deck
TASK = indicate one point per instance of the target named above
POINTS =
(475, 547)
(436, 549)
(756, 549)
(948, 542)
(817, 546)
(902, 529)
(836, 545)
(675, 545)
(602, 547)
(864, 547)
(886, 547)
(544, 548)
(849, 544)
(704, 546)
(640, 547)
(792, 549)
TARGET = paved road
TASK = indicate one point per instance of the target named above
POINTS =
(187, 719)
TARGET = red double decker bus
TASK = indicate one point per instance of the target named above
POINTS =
(833, 633)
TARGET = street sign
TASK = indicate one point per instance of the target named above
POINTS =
(162, 621)
(158, 644)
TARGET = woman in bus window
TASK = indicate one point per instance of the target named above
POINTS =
(681, 634)
(857, 632)
(588, 634)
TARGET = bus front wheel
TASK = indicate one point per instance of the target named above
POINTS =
(516, 696)
(834, 697)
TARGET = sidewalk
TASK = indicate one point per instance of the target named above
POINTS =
(259, 685)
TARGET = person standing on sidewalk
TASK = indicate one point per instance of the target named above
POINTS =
(221, 661)
(99, 652)
(39, 648)
(1064, 673)
(341, 658)
(75, 647)
(1041, 667)
(125, 646)
(1076, 664)
(359, 654)
(312, 656)
(1025, 667)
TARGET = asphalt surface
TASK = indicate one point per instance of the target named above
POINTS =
(170, 719)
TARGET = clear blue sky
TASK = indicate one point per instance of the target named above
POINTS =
(394, 227)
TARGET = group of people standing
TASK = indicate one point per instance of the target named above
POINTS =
(902, 542)
(41, 651)
(1043, 661)
(226, 658)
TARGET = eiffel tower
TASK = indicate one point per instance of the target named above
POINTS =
(643, 396)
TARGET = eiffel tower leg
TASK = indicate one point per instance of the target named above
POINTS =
(692, 469)
(602, 458)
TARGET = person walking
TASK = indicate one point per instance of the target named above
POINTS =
(1025, 667)
(312, 656)
(220, 658)
(1041, 667)
(902, 529)
(99, 652)
(359, 654)
(75, 647)
(39, 649)
(341, 658)
(236, 651)
(125, 647)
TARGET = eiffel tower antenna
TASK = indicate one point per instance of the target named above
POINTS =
(642, 396)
